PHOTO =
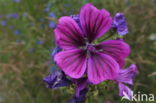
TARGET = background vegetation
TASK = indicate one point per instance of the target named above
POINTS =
(26, 40)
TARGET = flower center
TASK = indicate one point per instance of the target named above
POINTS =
(91, 47)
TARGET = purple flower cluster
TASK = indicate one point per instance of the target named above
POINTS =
(4, 23)
(119, 24)
(82, 62)
(51, 15)
(52, 24)
(6, 18)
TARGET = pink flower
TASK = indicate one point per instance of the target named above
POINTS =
(80, 55)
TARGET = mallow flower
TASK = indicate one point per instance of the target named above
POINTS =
(80, 55)
(126, 77)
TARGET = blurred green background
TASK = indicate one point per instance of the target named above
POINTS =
(26, 40)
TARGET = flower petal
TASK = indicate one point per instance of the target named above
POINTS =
(125, 91)
(101, 67)
(81, 84)
(68, 34)
(81, 98)
(57, 79)
(127, 75)
(122, 29)
(118, 49)
(94, 22)
(119, 24)
(72, 62)
(55, 50)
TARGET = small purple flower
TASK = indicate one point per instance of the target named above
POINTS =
(52, 24)
(57, 79)
(80, 55)
(16, 32)
(4, 23)
(13, 15)
(16, 1)
(48, 7)
(52, 15)
(119, 24)
(40, 42)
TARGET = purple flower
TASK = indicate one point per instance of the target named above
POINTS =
(4, 23)
(16, 32)
(52, 15)
(119, 24)
(13, 15)
(48, 7)
(52, 24)
(40, 42)
(16, 1)
(125, 92)
(126, 77)
(56, 50)
(57, 79)
(80, 55)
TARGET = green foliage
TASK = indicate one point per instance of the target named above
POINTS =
(24, 64)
